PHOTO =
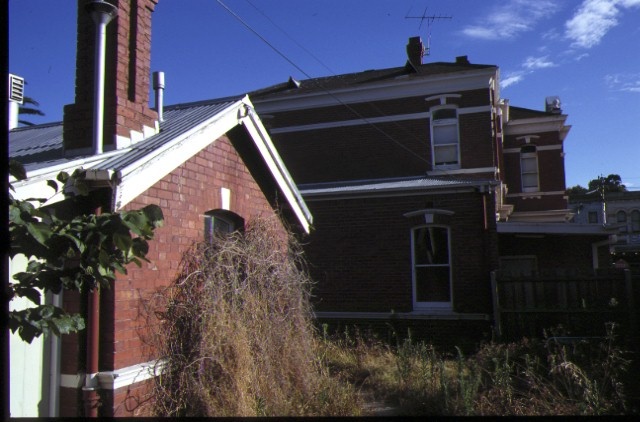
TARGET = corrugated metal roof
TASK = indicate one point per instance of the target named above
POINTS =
(41, 146)
(36, 143)
(385, 185)
(178, 119)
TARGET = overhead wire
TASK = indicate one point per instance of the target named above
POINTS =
(326, 90)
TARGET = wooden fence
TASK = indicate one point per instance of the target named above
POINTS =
(525, 306)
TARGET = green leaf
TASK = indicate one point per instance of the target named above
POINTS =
(40, 231)
(53, 185)
(154, 215)
(17, 170)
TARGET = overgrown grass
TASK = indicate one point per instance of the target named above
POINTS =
(236, 334)
(530, 377)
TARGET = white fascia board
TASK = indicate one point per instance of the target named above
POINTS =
(389, 89)
(136, 178)
(537, 125)
(277, 168)
(550, 228)
(35, 186)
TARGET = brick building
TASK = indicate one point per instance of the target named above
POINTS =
(203, 163)
(422, 181)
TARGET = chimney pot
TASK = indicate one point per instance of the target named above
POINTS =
(415, 51)
(462, 60)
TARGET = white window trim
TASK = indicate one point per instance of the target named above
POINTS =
(425, 306)
(444, 122)
(537, 172)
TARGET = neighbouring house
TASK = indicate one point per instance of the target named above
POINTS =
(424, 182)
(209, 165)
(619, 212)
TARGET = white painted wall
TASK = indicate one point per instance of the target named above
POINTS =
(26, 373)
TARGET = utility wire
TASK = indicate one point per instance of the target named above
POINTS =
(331, 94)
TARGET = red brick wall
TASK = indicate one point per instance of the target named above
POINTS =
(184, 196)
(382, 150)
(361, 252)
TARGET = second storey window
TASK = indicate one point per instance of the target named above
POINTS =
(529, 168)
(445, 137)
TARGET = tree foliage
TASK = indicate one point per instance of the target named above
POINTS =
(601, 184)
(26, 110)
(611, 183)
(81, 253)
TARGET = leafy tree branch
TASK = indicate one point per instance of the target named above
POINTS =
(80, 253)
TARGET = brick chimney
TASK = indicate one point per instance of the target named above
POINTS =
(127, 116)
(415, 51)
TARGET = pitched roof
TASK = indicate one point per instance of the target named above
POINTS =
(378, 186)
(365, 77)
(186, 130)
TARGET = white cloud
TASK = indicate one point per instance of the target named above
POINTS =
(533, 63)
(512, 78)
(625, 82)
(511, 18)
(593, 19)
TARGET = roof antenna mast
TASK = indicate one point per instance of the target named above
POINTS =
(430, 20)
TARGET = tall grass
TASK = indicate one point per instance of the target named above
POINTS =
(236, 333)
(529, 377)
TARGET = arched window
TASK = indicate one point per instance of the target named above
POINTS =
(529, 168)
(445, 137)
(220, 222)
(621, 216)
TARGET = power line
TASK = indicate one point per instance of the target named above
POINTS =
(331, 94)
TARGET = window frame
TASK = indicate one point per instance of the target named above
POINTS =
(430, 305)
(444, 122)
(529, 155)
(229, 222)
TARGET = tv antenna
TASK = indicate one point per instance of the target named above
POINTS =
(430, 19)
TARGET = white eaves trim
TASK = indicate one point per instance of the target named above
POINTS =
(270, 155)
(538, 125)
(136, 178)
(35, 186)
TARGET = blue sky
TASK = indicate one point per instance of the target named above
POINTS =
(585, 51)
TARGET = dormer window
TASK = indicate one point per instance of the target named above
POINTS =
(445, 137)
(529, 168)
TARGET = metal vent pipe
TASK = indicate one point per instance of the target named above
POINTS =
(158, 87)
(102, 13)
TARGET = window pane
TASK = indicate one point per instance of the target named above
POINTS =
(529, 164)
(431, 246)
(445, 113)
(529, 180)
(445, 134)
(432, 284)
(446, 154)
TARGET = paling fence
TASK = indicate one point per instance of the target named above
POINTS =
(580, 303)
